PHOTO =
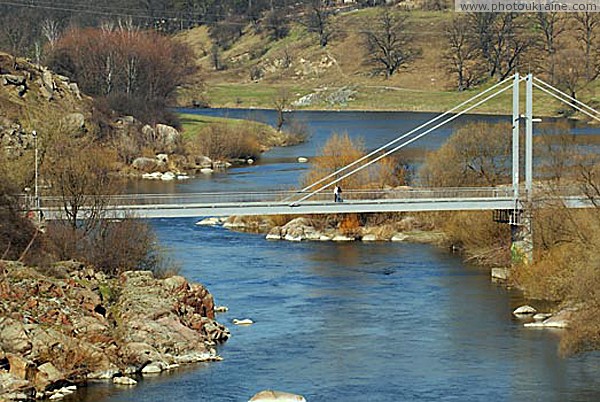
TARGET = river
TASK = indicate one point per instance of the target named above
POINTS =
(352, 322)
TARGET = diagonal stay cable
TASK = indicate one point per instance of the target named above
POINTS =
(573, 105)
(405, 143)
(402, 137)
(588, 107)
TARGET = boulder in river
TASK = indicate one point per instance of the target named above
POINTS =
(524, 310)
(276, 396)
(245, 321)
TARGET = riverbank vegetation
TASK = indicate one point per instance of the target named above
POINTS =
(233, 139)
(565, 265)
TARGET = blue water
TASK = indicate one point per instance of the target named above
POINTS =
(352, 322)
(359, 322)
(278, 169)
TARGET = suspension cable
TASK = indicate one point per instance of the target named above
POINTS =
(406, 143)
(381, 148)
(573, 105)
(565, 95)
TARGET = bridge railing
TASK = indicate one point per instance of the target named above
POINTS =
(288, 197)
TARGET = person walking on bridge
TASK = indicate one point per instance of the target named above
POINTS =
(337, 194)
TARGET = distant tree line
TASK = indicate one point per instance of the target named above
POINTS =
(24, 23)
(563, 47)
(117, 50)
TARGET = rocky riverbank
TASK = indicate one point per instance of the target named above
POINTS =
(70, 324)
(407, 228)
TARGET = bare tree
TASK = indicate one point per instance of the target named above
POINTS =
(388, 43)
(317, 20)
(502, 40)
(277, 23)
(51, 31)
(281, 102)
(15, 34)
(551, 25)
(587, 26)
(569, 74)
(463, 54)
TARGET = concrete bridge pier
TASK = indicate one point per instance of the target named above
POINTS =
(521, 248)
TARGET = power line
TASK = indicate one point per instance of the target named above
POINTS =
(179, 16)
(175, 17)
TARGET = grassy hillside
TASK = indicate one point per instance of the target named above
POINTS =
(256, 68)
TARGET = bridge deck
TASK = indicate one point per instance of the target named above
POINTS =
(281, 203)
(314, 207)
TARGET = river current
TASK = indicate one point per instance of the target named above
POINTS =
(351, 322)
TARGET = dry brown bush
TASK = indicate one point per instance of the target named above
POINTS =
(481, 239)
(80, 174)
(281, 220)
(478, 154)
(350, 225)
(339, 151)
(112, 246)
(567, 264)
(385, 231)
(19, 238)
(584, 332)
(223, 142)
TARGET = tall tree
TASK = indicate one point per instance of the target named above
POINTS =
(587, 26)
(463, 55)
(317, 20)
(477, 154)
(388, 43)
(502, 39)
(137, 71)
(551, 26)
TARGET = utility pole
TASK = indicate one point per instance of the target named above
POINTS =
(36, 191)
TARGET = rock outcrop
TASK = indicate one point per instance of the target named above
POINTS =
(57, 331)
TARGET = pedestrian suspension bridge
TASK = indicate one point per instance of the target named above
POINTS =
(508, 200)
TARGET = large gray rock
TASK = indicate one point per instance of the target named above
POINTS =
(16, 80)
(20, 367)
(203, 161)
(167, 137)
(145, 164)
(524, 310)
(48, 86)
(149, 133)
(124, 381)
(74, 121)
(47, 374)
(299, 229)
(500, 274)
(74, 88)
(559, 320)
(13, 337)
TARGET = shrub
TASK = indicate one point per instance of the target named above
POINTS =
(137, 72)
(19, 238)
(223, 142)
(113, 246)
(341, 150)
